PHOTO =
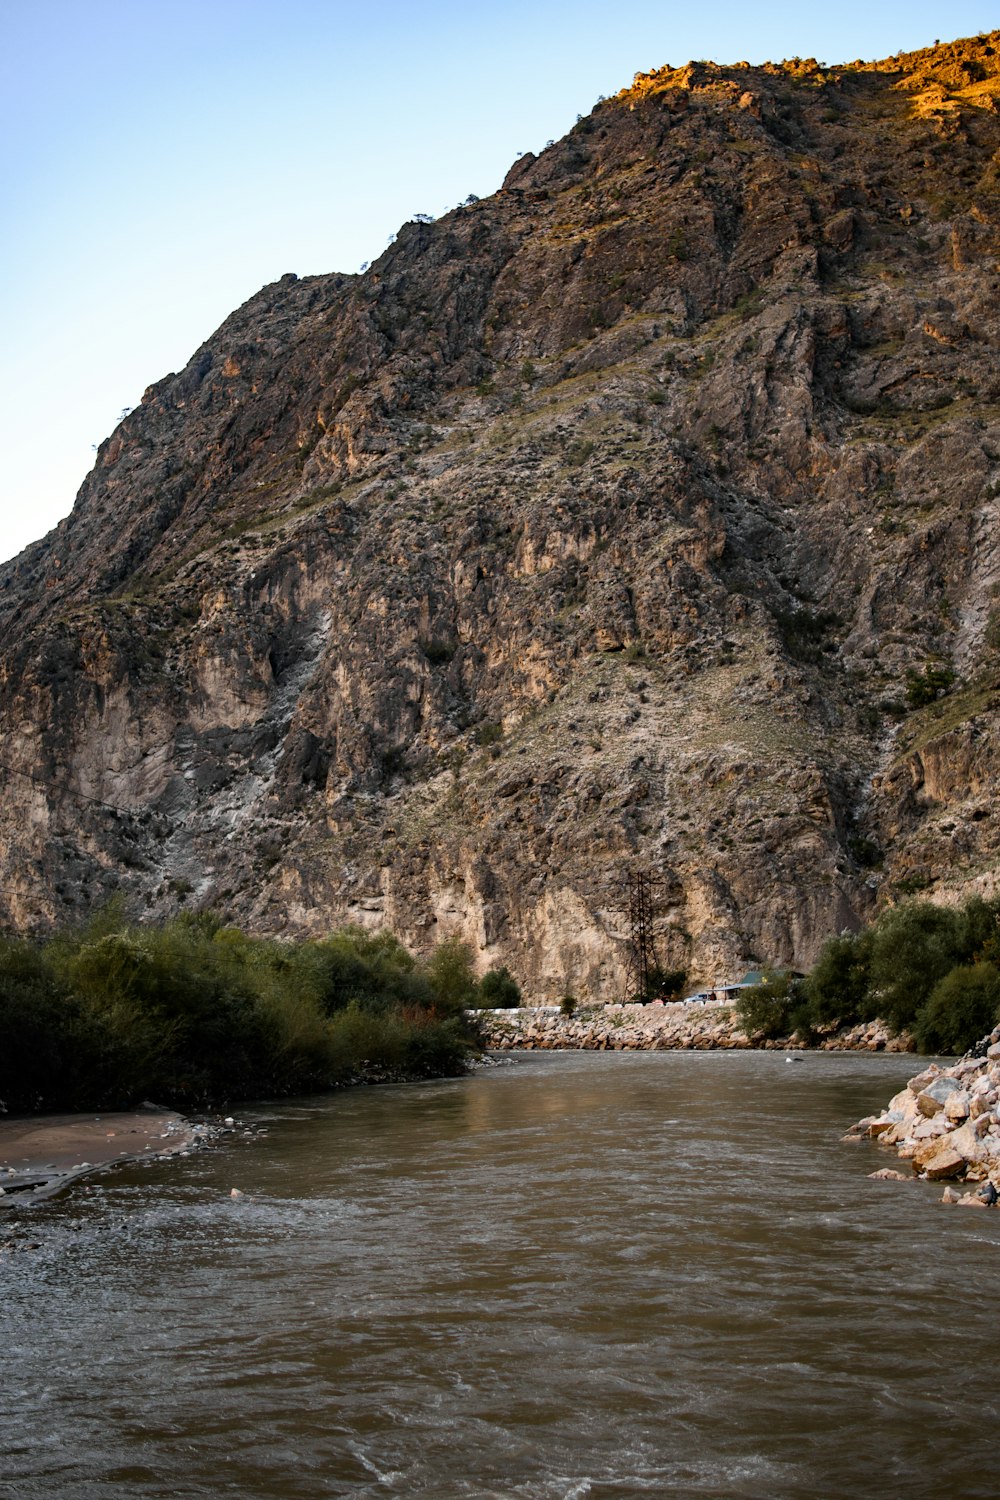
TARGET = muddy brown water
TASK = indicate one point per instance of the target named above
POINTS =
(577, 1274)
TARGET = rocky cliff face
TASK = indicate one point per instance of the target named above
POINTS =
(643, 515)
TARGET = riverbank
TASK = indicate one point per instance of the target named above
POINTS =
(946, 1125)
(653, 1028)
(41, 1155)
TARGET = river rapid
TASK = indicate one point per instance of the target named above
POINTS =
(572, 1275)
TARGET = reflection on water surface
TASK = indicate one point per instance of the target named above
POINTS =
(576, 1275)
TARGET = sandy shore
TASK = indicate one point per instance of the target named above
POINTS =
(42, 1154)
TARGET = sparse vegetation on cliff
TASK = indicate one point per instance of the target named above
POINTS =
(192, 1013)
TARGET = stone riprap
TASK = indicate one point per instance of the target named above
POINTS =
(946, 1124)
(651, 1028)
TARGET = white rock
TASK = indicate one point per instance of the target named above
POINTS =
(929, 1130)
(235, 1193)
(956, 1106)
(966, 1143)
(933, 1098)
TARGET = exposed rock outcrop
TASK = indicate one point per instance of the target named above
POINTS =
(597, 525)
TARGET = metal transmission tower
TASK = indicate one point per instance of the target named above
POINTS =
(643, 963)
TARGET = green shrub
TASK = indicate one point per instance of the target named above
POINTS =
(578, 452)
(928, 686)
(666, 984)
(961, 1009)
(452, 976)
(498, 990)
(40, 1030)
(191, 1013)
(765, 1009)
(895, 969)
(567, 1005)
(912, 947)
(370, 969)
(837, 988)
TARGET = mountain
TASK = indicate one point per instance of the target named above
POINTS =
(643, 516)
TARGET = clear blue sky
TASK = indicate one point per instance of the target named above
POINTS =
(163, 159)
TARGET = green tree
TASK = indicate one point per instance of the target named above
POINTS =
(913, 946)
(41, 1035)
(498, 990)
(190, 1013)
(765, 1010)
(837, 988)
(452, 975)
(961, 1009)
(666, 984)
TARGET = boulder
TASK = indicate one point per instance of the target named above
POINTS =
(956, 1106)
(905, 1104)
(934, 1097)
(931, 1130)
(966, 1143)
(943, 1161)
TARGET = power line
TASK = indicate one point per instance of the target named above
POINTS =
(125, 812)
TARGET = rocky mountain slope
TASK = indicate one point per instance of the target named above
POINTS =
(641, 516)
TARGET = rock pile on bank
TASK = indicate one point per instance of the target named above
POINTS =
(946, 1124)
(652, 1028)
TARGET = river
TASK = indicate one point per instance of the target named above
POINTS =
(573, 1275)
